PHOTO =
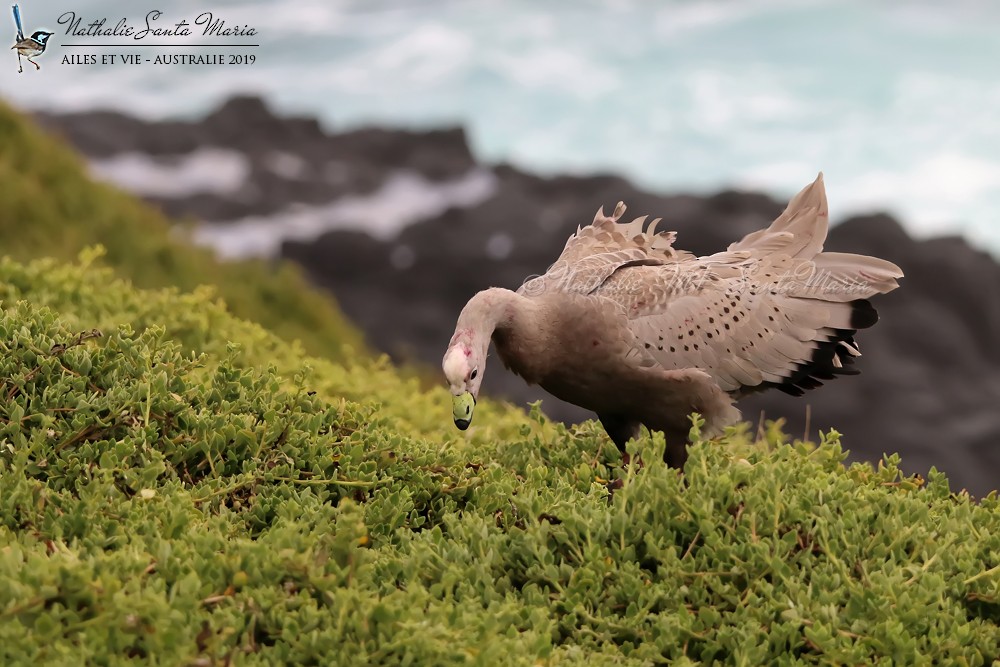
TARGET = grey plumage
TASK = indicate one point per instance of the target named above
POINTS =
(642, 333)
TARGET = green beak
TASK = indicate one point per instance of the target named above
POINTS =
(462, 408)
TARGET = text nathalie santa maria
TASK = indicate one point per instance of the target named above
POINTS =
(205, 23)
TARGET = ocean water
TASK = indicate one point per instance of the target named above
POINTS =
(898, 103)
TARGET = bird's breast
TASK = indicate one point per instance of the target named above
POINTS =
(575, 353)
(521, 354)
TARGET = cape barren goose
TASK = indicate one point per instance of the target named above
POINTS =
(641, 333)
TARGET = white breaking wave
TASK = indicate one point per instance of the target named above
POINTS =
(206, 170)
(405, 198)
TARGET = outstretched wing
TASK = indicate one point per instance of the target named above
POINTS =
(770, 311)
(17, 20)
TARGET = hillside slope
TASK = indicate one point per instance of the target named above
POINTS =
(51, 208)
(181, 486)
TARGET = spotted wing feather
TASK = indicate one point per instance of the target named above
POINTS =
(771, 311)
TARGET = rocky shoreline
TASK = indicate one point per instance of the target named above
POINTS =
(930, 382)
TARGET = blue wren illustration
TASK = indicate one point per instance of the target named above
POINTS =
(29, 47)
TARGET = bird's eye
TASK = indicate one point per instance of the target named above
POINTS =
(475, 372)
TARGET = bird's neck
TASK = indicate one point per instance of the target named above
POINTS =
(489, 310)
(517, 325)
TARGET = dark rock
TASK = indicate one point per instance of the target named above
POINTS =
(247, 125)
(436, 154)
(329, 165)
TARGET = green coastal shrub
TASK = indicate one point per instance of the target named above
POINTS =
(178, 486)
(51, 208)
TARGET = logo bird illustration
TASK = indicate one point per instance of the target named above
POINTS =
(29, 47)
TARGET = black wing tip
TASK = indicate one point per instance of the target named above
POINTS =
(863, 314)
(830, 360)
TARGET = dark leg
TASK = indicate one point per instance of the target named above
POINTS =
(676, 453)
(37, 66)
(621, 431)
